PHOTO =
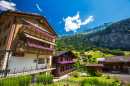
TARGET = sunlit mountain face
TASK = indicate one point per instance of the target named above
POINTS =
(69, 16)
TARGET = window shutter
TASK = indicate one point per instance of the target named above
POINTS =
(57, 69)
(58, 59)
(62, 58)
(64, 68)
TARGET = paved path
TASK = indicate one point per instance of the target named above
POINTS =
(55, 80)
(124, 77)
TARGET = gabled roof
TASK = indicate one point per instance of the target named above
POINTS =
(117, 59)
(59, 53)
(94, 65)
(28, 14)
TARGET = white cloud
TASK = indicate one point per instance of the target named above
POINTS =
(73, 23)
(5, 5)
(60, 22)
(39, 7)
(49, 19)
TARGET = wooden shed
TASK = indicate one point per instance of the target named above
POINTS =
(94, 67)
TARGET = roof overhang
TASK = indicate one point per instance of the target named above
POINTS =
(19, 13)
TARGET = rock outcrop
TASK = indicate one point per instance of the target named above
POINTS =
(112, 40)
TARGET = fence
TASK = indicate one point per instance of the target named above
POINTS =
(21, 70)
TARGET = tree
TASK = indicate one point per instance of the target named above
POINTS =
(76, 65)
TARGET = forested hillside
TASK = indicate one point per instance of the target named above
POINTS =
(85, 31)
(81, 42)
(88, 42)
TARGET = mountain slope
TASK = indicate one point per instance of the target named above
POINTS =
(85, 31)
(115, 36)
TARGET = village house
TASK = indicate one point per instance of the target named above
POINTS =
(115, 64)
(63, 61)
(26, 43)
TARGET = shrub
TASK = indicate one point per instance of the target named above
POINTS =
(45, 79)
(116, 78)
(77, 65)
(98, 73)
(91, 73)
(88, 74)
(16, 81)
(108, 76)
(95, 82)
(75, 74)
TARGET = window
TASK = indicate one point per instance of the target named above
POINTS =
(9, 25)
(0, 31)
(4, 40)
(22, 39)
(7, 18)
(48, 45)
(5, 28)
(41, 44)
(1, 42)
(41, 60)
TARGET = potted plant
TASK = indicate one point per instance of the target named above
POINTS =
(26, 44)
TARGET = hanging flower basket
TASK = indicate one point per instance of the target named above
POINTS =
(29, 26)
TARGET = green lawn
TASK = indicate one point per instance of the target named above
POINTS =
(99, 78)
(127, 52)
(91, 52)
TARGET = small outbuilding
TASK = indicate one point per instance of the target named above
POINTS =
(94, 67)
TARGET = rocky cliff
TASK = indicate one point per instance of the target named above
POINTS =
(113, 40)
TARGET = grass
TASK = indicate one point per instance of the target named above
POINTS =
(91, 52)
(127, 52)
(99, 78)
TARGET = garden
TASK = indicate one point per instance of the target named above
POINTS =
(91, 79)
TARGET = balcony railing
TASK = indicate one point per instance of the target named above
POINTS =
(67, 62)
(37, 33)
(30, 49)
(64, 73)
(24, 70)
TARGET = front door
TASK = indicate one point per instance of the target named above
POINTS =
(48, 62)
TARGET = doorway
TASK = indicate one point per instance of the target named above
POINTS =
(48, 62)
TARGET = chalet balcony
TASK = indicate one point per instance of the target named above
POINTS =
(67, 62)
(28, 29)
(25, 70)
(33, 48)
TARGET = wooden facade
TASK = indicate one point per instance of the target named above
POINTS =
(94, 67)
(63, 61)
(17, 29)
(116, 64)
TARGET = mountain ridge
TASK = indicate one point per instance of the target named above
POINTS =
(85, 31)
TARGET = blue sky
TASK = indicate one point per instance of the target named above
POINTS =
(69, 16)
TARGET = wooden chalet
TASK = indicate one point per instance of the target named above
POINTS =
(26, 43)
(116, 64)
(63, 61)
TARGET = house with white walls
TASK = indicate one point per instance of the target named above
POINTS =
(26, 44)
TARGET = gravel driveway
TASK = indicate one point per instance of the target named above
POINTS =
(124, 77)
